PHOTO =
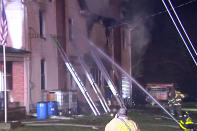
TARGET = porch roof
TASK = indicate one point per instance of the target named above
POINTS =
(13, 54)
(13, 50)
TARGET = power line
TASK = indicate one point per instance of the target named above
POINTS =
(165, 11)
(179, 32)
(155, 14)
(182, 27)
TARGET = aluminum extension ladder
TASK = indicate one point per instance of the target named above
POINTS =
(95, 86)
(108, 80)
(75, 76)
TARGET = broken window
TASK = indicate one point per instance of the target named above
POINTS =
(82, 4)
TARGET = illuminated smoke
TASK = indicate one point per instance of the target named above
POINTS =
(140, 37)
(104, 8)
(134, 15)
(131, 12)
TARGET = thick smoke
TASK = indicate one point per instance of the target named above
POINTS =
(105, 8)
(132, 14)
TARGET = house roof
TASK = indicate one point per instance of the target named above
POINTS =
(13, 50)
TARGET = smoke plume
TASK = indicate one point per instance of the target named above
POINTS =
(135, 13)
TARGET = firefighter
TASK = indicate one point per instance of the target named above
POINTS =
(108, 95)
(178, 103)
(121, 122)
(186, 123)
(171, 102)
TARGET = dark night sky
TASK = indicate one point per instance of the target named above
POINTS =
(166, 58)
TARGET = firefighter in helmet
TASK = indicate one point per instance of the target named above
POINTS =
(186, 123)
(178, 103)
(121, 122)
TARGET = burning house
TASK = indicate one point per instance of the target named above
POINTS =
(36, 69)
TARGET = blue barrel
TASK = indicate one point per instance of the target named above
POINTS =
(42, 110)
(52, 108)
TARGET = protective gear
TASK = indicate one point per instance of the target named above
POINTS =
(178, 105)
(186, 123)
(121, 123)
(175, 104)
(171, 102)
(177, 92)
(180, 94)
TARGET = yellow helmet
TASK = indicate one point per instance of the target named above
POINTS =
(177, 92)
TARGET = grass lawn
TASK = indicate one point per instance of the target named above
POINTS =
(53, 128)
(149, 119)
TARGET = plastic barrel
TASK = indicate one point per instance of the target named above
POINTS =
(42, 110)
(52, 108)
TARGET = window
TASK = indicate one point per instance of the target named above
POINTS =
(82, 4)
(8, 76)
(42, 24)
(96, 75)
(43, 74)
(70, 21)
